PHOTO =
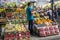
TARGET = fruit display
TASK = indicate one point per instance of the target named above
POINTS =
(16, 32)
(46, 31)
(36, 14)
(20, 28)
(2, 19)
(17, 36)
(41, 18)
(9, 28)
(44, 26)
(11, 4)
(2, 9)
(42, 21)
(15, 28)
(20, 10)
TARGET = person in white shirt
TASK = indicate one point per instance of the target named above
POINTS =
(49, 12)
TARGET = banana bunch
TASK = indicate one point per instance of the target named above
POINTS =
(2, 9)
(20, 28)
(10, 28)
(15, 28)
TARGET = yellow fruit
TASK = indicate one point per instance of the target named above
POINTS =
(49, 20)
(44, 21)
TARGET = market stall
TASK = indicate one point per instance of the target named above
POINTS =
(15, 23)
(43, 26)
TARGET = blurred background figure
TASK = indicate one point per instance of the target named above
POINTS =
(49, 13)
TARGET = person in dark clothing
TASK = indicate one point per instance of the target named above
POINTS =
(58, 11)
(56, 14)
(30, 17)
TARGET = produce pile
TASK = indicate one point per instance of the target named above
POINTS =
(15, 28)
(43, 26)
(2, 9)
(16, 32)
(43, 31)
(42, 19)
(15, 23)
(16, 15)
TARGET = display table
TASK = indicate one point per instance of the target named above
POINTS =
(46, 30)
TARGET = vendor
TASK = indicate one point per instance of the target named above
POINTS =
(30, 17)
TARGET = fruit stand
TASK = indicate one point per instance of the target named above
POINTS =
(43, 26)
(16, 32)
(15, 20)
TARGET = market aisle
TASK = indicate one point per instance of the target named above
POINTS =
(55, 37)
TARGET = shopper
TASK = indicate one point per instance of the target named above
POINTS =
(58, 11)
(49, 13)
(55, 13)
(30, 17)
